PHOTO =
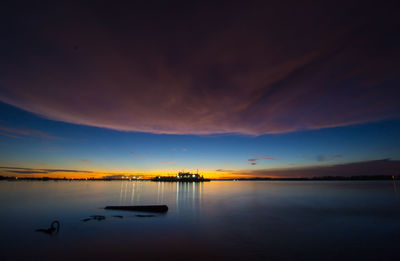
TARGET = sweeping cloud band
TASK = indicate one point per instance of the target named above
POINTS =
(236, 71)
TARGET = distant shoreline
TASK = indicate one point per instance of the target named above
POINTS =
(325, 178)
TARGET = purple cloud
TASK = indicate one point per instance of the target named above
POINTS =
(237, 69)
(10, 135)
(168, 161)
(260, 157)
(13, 132)
(84, 160)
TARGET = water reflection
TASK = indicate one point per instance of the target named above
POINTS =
(181, 196)
(130, 192)
(189, 194)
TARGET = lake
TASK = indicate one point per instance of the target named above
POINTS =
(228, 220)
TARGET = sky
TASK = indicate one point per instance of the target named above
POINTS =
(233, 89)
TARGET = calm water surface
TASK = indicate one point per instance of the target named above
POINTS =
(246, 220)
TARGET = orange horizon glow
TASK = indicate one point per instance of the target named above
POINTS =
(127, 175)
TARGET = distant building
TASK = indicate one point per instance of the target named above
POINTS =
(182, 177)
(188, 175)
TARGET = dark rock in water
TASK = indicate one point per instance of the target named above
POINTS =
(98, 217)
(144, 215)
(54, 228)
(118, 216)
(86, 219)
(150, 208)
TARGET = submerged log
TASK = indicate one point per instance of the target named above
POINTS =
(150, 208)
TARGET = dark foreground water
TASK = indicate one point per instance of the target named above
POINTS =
(247, 220)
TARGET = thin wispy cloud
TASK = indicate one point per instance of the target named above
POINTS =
(18, 170)
(225, 170)
(259, 157)
(182, 149)
(136, 156)
(323, 158)
(265, 157)
(168, 161)
(52, 149)
(9, 135)
(28, 132)
(84, 160)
